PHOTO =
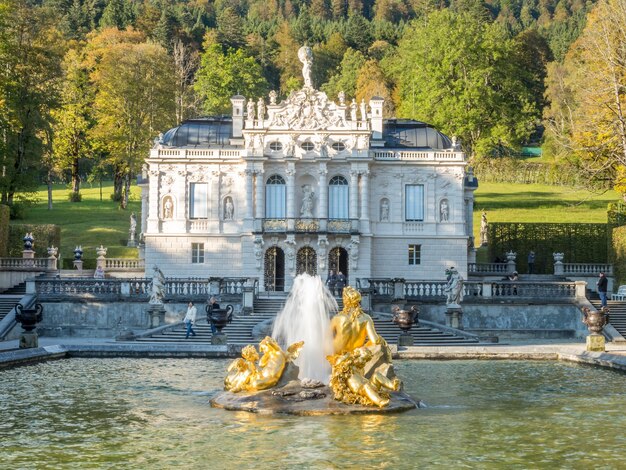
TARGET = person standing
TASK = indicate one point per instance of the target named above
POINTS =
(213, 305)
(190, 319)
(341, 283)
(531, 262)
(331, 281)
(602, 287)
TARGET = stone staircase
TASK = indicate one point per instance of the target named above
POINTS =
(7, 302)
(617, 314)
(239, 331)
(422, 335)
(19, 289)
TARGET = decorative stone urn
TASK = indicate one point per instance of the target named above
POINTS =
(405, 320)
(220, 317)
(595, 321)
(28, 241)
(29, 317)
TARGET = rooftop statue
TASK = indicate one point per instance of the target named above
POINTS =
(305, 54)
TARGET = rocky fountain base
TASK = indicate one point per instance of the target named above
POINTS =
(302, 399)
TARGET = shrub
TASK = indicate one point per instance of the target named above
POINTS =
(44, 235)
(618, 254)
(5, 215)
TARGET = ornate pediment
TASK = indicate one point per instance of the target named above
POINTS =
(307, 109)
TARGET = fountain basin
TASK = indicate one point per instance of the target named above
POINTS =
(289, 400)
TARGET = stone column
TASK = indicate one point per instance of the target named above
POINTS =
(322, 207)
(365, 202)
(354, 194)
(214, 195)
(144, 210)
(291, 195)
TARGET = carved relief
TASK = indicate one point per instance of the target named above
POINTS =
(307, 109)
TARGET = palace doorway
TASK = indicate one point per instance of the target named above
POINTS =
(338, 260)
(306, 261)
(274, 271)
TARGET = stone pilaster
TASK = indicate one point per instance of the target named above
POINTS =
(354, 194)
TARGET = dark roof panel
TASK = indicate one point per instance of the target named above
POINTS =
(413, 134)
(204, 132)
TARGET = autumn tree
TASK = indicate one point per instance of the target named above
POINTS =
(346, 78)
(371, 82)
(459, 73)
(72, 120)
(224, 74)
(586, 120)
(133, 103)
(31, 51)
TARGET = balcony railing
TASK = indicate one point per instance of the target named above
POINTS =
(311, 225)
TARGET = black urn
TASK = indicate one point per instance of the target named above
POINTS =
(405, 318)
(28, 241)
(78, 253)
(220, 317)
(28, 317)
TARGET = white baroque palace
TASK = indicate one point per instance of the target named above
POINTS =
(306, 185)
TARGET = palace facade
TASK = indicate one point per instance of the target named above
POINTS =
(306, 185)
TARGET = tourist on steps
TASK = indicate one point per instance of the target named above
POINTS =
(602, 287)
(190, 319)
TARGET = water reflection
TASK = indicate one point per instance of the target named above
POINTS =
(134, 413)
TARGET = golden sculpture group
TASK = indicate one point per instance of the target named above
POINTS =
(362, 372)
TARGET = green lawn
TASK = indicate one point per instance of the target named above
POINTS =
(88, 223)
(506, 202)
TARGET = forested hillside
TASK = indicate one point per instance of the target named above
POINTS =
(85, 85)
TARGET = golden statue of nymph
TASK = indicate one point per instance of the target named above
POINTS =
(361, 361)
(245, 375)
(349, 384)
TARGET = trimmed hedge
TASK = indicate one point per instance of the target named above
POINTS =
(5, 215)
(516, 170)
(619, 255)
(581, 243)
(44, 235)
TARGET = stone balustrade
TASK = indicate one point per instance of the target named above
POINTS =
(419, 156)
(587, 269)
(124, 264)
(138, 289)
(28, 264)
(488, 269)
(434, 290)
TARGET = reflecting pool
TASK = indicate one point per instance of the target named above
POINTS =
(142, 413)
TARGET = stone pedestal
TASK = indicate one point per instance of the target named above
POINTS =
(596, 343)
(157, 315)
(78, 264)
(29, 339)
(405, 339)
(454, 316)
(29, 257)
(219, 339)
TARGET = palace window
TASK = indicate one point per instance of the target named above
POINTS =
(414, 202)
(276, 146)
(415, 253)
(307, 146)
(339, 146)
(275, 200)
(197, 253)
(198, 201)
(338, 198)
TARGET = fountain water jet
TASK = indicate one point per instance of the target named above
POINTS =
(306, 317)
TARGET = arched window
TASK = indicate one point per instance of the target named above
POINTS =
(338, 201)
(275, 206)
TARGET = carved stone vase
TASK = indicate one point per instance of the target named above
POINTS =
(405, 318)
(595, 320)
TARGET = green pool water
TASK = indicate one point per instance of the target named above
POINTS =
(145, 414)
